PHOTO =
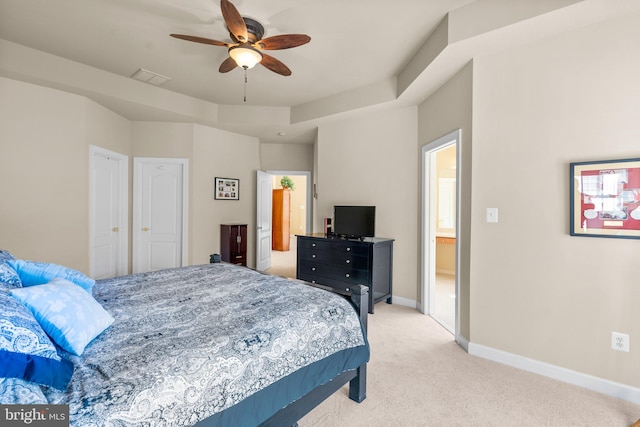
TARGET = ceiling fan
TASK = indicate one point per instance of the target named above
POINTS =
(246, 49)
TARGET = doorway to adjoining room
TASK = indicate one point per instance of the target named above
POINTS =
(290, 216)
(440, 220)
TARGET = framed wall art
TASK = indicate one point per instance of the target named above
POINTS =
(605, 198)
(227, 189)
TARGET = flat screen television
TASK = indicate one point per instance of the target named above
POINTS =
(354, 221)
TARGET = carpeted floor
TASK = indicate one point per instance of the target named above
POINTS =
(418, 376)
(283, 263)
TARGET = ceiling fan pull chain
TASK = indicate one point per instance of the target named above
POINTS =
(245, 85)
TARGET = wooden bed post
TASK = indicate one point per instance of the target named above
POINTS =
(358, 385)
(360, 299)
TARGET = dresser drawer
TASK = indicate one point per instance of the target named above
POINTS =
(315, 255)
(359, 262)
(315, 244)
(349, 247)
(338, 285)
(317, 271)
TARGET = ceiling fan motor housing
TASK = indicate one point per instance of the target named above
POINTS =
(255, 30)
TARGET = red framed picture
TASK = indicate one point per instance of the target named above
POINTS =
(605, 198)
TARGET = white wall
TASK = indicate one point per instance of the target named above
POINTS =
(536, 291)
(371, 160)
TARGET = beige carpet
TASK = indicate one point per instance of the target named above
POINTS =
(283, 263)
(418, 376)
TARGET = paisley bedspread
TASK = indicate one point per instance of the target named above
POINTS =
(189, 344)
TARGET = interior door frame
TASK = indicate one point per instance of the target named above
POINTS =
(122, 260)
(428, 243)
(309, 198)
(137, 204)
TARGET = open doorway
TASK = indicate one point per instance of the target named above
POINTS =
(296, 221)
(440, 219)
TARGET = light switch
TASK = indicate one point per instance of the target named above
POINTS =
(492, 214)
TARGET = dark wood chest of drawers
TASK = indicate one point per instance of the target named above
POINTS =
(341, 264)
(233, 243)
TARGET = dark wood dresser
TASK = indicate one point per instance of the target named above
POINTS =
(343, 263)
(233, 243)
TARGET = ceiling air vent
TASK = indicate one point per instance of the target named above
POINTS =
(150, 77)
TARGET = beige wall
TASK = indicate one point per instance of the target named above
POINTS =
(371, 160)
(219, 153)
(536, 291)
(45, 137)
(286, 157)
(211, 153)
(44, 156)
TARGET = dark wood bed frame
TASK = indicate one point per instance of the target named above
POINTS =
(357, 378)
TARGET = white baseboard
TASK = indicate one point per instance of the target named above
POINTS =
(463, 342)
(405, 302)
(600, 385)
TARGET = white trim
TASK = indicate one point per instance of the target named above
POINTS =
(123, 214)
(405, 302)
(427, 260)
(600, 385)
(463, 342)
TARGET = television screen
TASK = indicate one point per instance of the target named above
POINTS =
(354, 221)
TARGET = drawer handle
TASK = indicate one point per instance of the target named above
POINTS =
(347, 289)
(346, 275)
(348, 261)
(313, 281)
(348, 249)
(313, 256)
(313, 245)
(313, 269)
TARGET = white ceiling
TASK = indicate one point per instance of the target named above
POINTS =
(355, 44)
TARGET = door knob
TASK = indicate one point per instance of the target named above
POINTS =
(115, 229)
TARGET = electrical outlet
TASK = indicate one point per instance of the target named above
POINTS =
(619, 341)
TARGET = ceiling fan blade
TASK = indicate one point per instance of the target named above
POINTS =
(284, 41)
(234, 21)
(227, 65)
(275, 65)
(200, 40)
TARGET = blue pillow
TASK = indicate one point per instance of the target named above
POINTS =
(68, 314)
(26, 351)
(38, 273)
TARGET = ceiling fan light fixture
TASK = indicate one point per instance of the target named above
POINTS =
(245, 57)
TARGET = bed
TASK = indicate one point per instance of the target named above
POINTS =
(206, 345)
